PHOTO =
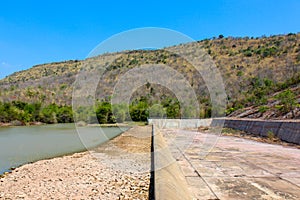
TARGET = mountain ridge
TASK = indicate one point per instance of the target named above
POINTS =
(250, 67)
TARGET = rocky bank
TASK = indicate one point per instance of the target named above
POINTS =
(118, 169)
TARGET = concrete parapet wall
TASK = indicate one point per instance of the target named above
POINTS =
(288, 131)
(180, 123)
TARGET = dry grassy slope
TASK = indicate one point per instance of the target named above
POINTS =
(271, 109)
(238, 68)
(238, 59)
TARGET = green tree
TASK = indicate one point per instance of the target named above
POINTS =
(157, 111)
(104, 113)
(289, 101)
(48, 114)
(119, 112)
(139, 110)
(172, 107)
(64, 114)
(33, 110)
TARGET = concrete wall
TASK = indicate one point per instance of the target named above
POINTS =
(288, 131)
(180, 123)
(169, 182)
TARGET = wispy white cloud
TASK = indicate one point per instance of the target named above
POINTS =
(3, 63)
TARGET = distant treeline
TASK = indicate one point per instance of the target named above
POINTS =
(34, 112)
(103, 112)
(140, 109)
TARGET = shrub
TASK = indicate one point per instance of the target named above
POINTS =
(270, 135)
(248, 53)
(230, 110)
(288, 100)
(266, 52)
(278, 107)
(263, 109)
(268, 82)
(239, 73)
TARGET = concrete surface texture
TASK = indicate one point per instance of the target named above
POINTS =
(170, 183)
(224, 167)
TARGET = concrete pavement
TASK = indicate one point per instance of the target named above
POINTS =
(224, 167)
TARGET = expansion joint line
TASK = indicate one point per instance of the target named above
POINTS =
(196, 171)
(276, 175)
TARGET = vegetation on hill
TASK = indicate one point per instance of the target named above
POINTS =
(261, 77)
(34, 112)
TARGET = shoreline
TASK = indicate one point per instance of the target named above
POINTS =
(85, 125)
(8, 171)
(10, 124)
(105, 174)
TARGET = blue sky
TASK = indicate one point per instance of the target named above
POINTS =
(35, 32)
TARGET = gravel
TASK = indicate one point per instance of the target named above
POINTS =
(118, 169)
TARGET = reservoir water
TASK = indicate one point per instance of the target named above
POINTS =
(20, 145)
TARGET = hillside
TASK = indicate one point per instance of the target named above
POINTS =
(254, 70)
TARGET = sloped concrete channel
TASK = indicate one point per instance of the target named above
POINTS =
(232, 168)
